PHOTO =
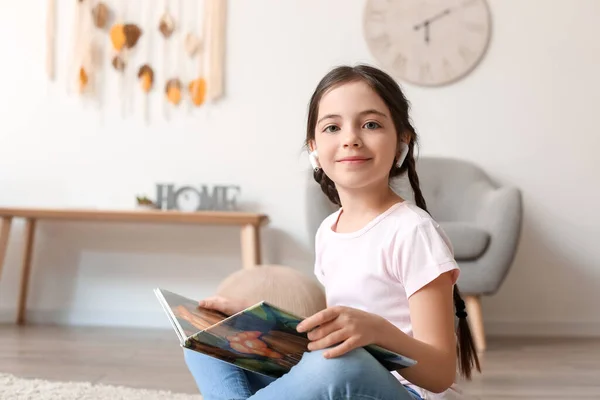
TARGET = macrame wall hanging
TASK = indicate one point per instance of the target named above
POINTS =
(216, 16)
(174, 56)
(50, 37)
(145, 73)
(194, 49)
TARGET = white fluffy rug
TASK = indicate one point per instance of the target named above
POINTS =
(14, 388)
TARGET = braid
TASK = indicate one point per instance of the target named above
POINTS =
(327, 186)
(414, 179)
(467, 354)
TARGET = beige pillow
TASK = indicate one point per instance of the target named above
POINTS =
(282, 286)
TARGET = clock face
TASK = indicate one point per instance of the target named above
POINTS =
(188, 198)
(427, 42)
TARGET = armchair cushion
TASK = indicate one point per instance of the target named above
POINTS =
(468, 240)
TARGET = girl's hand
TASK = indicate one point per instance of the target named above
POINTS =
(225, 305)
(347, 327)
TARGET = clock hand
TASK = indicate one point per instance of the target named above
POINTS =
(430, 20)
(442, 14)
(427, 23)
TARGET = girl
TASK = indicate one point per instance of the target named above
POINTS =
(387, 267)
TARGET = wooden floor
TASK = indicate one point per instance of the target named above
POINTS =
(513, 368)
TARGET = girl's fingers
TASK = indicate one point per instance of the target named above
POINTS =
(330, 340)
(319, 318)
(222, 304)
(207, 303)
(323, 330)
(213, 303)
(342, 349)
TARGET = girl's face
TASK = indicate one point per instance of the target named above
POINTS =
(355, 136)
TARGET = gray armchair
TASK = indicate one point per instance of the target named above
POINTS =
(482, 220)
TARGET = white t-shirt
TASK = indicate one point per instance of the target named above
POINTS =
(377, 268)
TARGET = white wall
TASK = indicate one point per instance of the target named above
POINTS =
(527, 114)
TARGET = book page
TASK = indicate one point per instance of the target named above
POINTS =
(191, 318)
(261, 339)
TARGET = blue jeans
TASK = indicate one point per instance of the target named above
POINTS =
(355, 375)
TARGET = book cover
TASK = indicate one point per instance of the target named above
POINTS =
(261, 338)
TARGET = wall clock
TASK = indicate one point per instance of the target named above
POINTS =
(427, 42)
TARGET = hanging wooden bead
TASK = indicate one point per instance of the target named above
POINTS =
(118, 63)
(173, 91)
(146, 77)
(197, 89)
(192, 44)
(124, 36)
(167, 25)
(100, 14)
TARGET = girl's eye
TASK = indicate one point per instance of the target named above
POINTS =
(331, 128)
(372, 125)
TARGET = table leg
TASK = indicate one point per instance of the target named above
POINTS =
(26, 269)
(5, 223)
(250, 246)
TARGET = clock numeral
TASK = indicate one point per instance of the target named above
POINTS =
(376, 15)
(448, 70)
(377, 10)
(425, 72)
(375, 34)
(384, 42)
(399, 63)
(467, 54)
(475, 27)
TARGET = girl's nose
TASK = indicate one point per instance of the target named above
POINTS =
(351, 139)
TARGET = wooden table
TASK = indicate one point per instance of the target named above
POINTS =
(250, 224)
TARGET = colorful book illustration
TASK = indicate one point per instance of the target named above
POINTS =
(262, 338)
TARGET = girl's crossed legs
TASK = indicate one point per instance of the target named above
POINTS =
(355, 375)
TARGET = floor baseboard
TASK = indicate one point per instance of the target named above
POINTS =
(543, 328)
(133, 319)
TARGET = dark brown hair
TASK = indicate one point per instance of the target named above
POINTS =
(390, 92)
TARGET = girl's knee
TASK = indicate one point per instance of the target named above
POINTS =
(193, 358)
(352, 365)
(356, 374)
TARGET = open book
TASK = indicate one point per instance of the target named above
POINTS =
(261, 338)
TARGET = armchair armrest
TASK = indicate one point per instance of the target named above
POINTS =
(499, 212)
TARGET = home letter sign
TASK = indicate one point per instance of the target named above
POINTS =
(190, 198)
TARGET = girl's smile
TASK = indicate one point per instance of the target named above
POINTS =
(354, 160)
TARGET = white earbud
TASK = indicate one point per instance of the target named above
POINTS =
(314, 161)
(402, 155)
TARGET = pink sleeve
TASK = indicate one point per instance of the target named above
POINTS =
(422, 255)
(318, 271)
(319, 274)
